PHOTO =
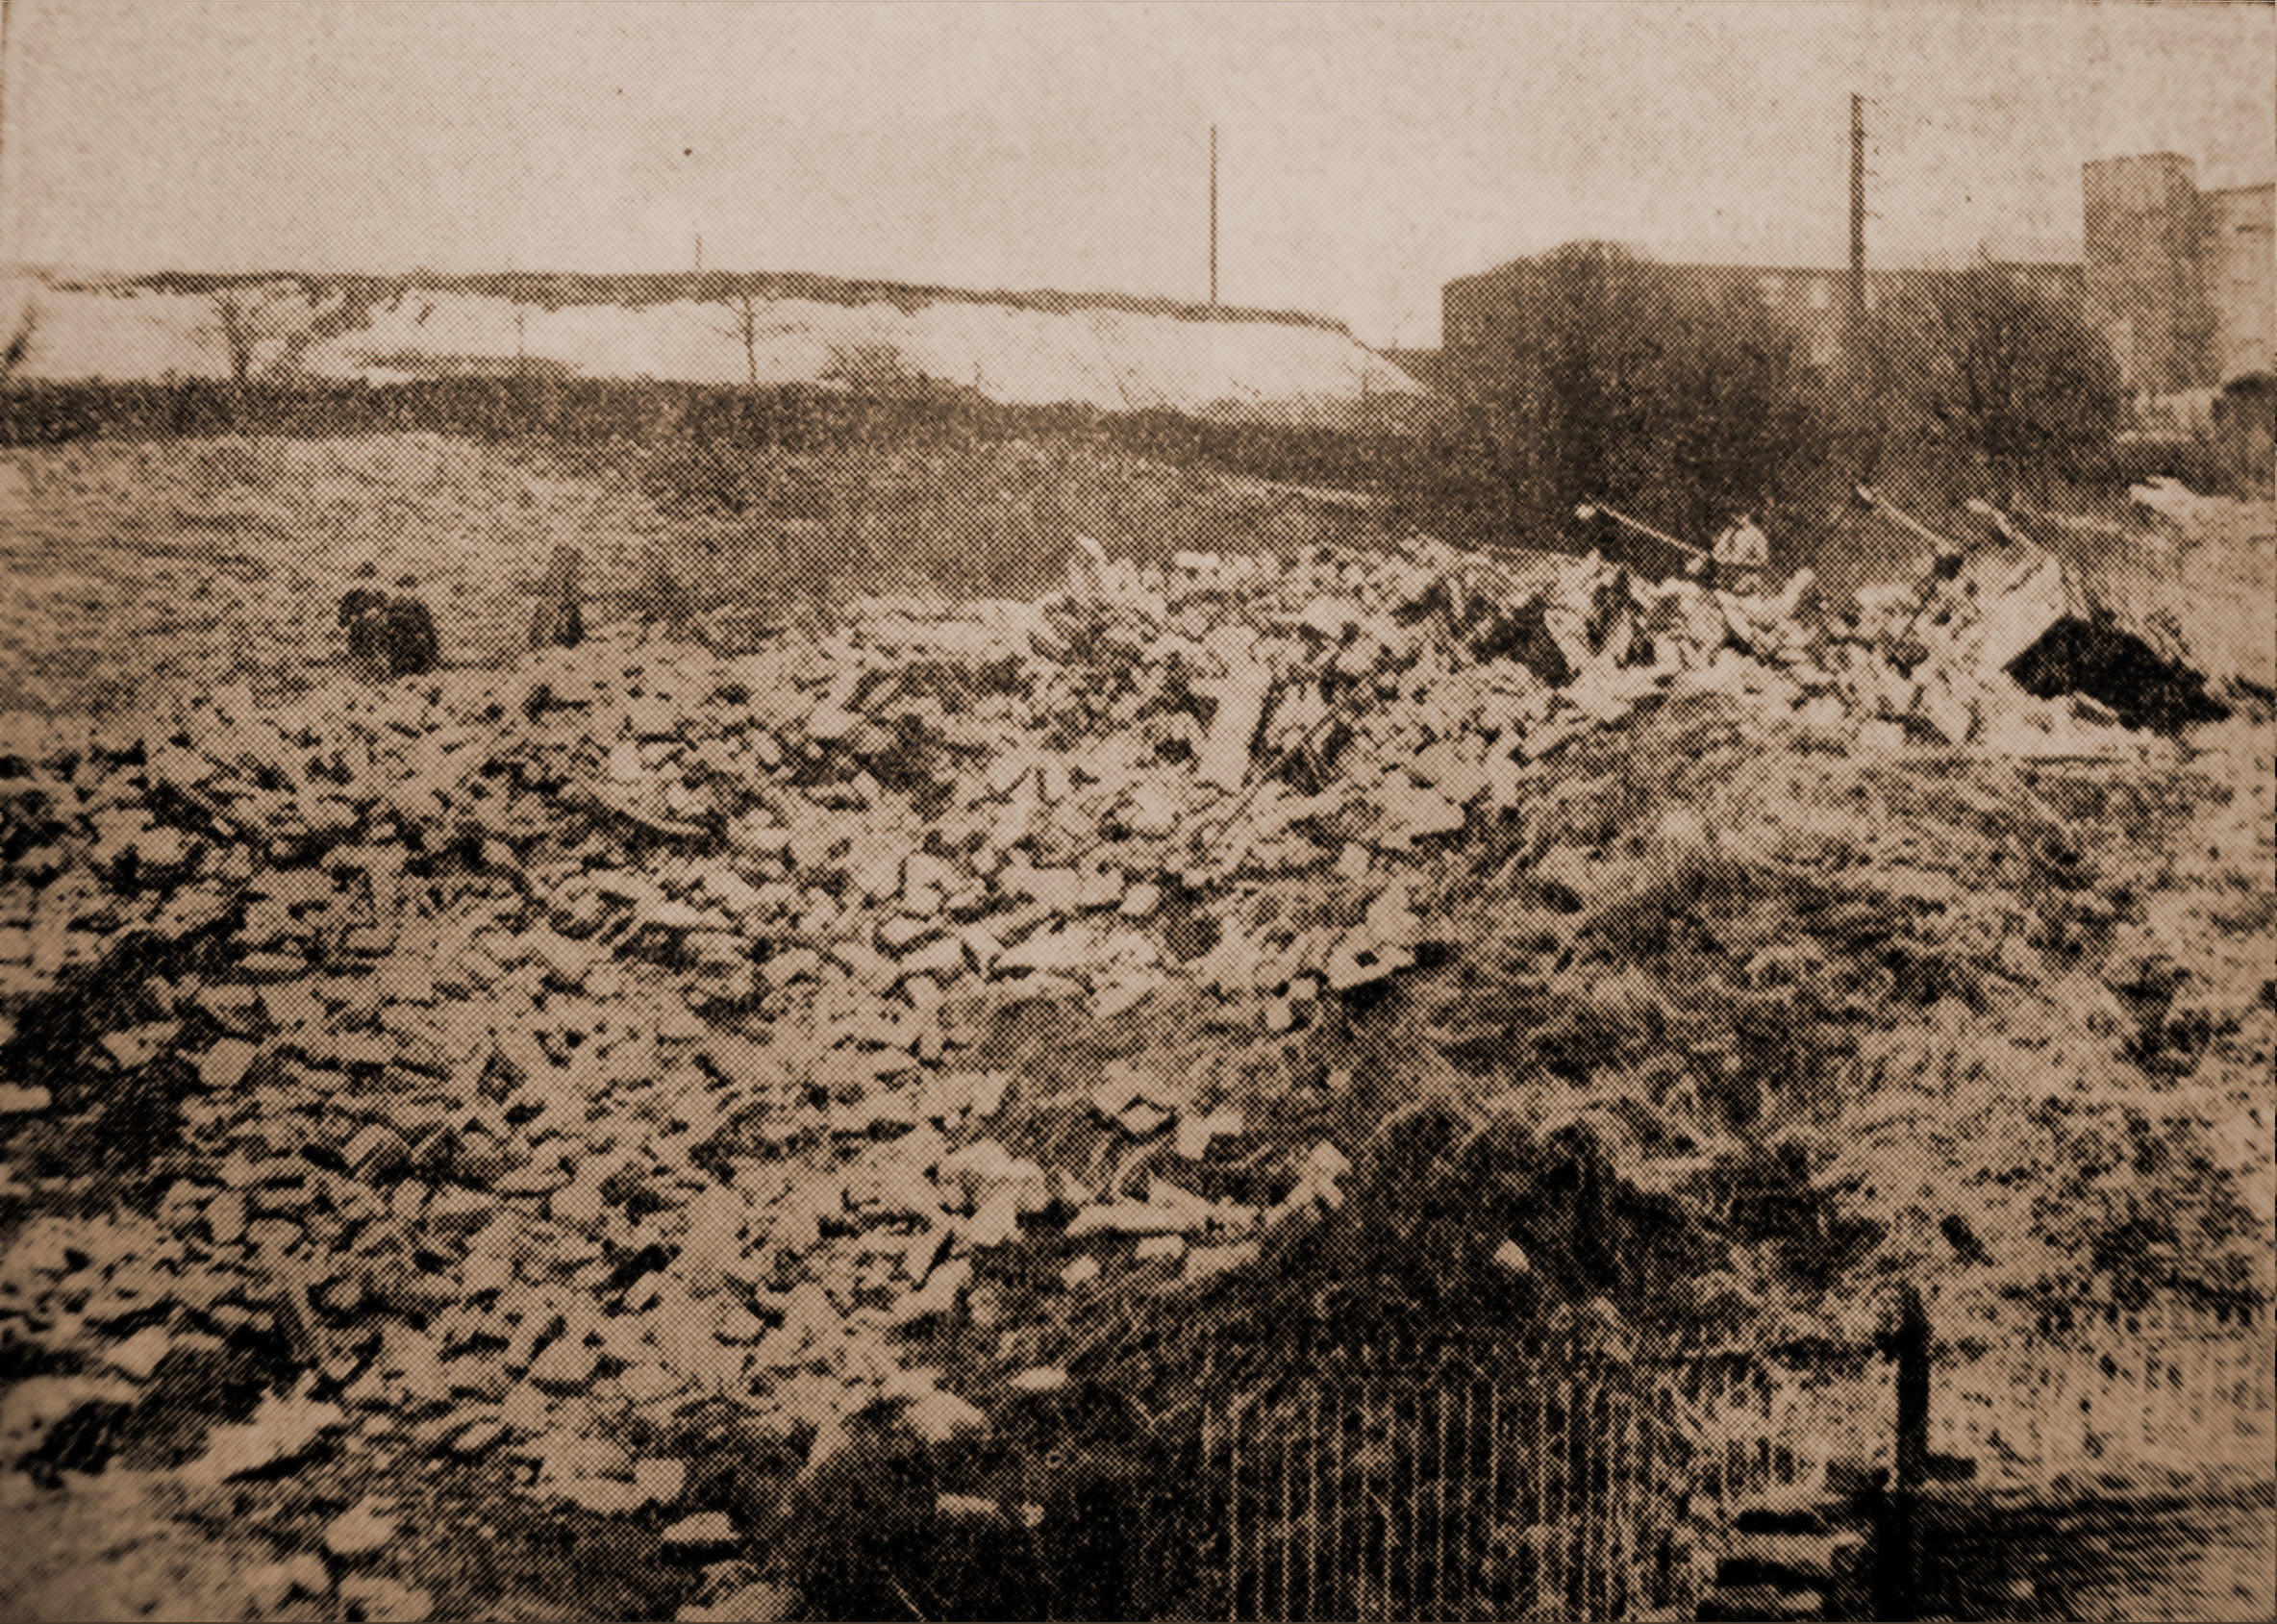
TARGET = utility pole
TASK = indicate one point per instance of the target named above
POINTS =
(1213, 216)
(699, 253)
(1857, 216)
(7, 240)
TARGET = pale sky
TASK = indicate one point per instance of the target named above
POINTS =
(1369, 152)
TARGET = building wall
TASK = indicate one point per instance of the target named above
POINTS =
(2146, 242)
(2243, 226)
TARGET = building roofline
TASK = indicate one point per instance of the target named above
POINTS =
(1732, 268)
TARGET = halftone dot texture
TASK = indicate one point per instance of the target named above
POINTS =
(1327, 1076)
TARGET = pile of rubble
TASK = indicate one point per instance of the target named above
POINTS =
(610, 1034)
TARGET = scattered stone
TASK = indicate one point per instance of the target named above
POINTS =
(1196, 1133)
(478, 1438)
(270, 1587)
(660, 1480)
(281, 1430)
(759, 1603)
(705, 1531)
(361, 1530)
(645, 1093)
(378, 1599)
(139, 1357)
(1206, 1261)
(141, 1045)
(567, 1366)
(605, 1497)
(937, 1415)
(224, 1065)
(33, 1408)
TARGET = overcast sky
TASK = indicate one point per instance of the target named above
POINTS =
(1369, 152)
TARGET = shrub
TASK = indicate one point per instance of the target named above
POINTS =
(2013, 375)
(863, 1537)
(1675, 399)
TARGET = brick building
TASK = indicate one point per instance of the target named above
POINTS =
(2181, 281)
(2244, 279)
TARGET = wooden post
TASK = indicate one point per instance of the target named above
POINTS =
(1214, 219)
(1913, 1389)
(1897, 1580)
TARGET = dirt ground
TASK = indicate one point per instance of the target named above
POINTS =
(2104, 1558)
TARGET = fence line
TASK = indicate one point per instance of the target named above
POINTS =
(1555, 1477)
(2179, 1384)
(1566, 1484)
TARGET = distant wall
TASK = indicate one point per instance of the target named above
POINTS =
(2245, 271)
(2145, 255)
(2184, 281)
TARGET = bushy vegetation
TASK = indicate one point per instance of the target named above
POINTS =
(1066, 1506)
(884, 478)
(2013, 376)
(1672, 399)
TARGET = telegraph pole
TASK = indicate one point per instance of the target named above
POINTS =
(7, 239)
(1213, 216)
(1857, 215)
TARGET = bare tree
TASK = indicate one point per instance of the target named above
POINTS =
(17, 349)
(249, 318)
(1628, 382)
(745, 310)
(743, 306)
(2017, 376)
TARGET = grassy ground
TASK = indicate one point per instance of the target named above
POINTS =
(162, 537)
(138, 568)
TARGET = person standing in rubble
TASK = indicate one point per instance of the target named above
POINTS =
(389, 636)
(415, 648)
(560, 620)
(364, 616)
(1740, 557)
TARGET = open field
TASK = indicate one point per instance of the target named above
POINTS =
(140, 572)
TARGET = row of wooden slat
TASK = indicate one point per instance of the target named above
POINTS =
(1576, 1488)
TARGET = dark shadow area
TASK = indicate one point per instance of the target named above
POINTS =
(2117, 669)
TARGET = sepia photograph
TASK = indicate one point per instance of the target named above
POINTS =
(957, 810)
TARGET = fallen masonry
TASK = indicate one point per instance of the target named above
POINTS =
(612, 1034)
